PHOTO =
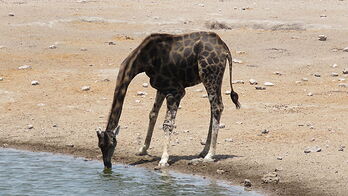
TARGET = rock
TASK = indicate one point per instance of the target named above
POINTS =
(345, 71)
(277, 73)
(238, 61)
(24, 67)
(341, 148)
(145, 85)
(345, 49)
(186, 131)
(341, 79)
(52, 47)
(222, 125)
(4, 145)
(141, 93)
(229, 140)
(265, 131)
(30, 126)
(270, 178)
(2, 47)
(111, 43)
(85, 88)
(298, 82)
(1, 79)
(237, 82)
(279, 158)
(260, 88)
(220, 171)
(310, 94)
(70, 145)
(334, 65)
(83, 49)
(312, 149)
(11, 14)
(322, 37)
(268, 84)
(34, 82)
(201, 4)
(240, 52)
(252, 82)
(204, 96)
(138, 101)
(317, 75)
(247, 183)
(54, 125)
(227, 92)
(323, 16)
(345, 85)
(305, 79)
(202, 142)
(334, 74)
(195, 161)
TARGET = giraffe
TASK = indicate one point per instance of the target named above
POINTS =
(172, 62)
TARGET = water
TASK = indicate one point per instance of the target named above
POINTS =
(31, 173)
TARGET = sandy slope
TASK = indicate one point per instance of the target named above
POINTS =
(276, 36)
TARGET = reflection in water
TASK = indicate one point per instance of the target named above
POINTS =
(28, 173)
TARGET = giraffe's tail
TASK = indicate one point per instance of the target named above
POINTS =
(234, 95)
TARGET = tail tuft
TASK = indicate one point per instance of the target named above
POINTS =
(234, 97)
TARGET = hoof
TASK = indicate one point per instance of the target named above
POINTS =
(208, 159)
(203, 154)
(163, 165)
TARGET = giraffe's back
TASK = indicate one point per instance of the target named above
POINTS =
(171, 61)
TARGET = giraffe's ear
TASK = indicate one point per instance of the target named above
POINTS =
(116, 130)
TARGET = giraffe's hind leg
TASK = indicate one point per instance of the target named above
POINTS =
(208, 141)
(173, 101)
(153, 117)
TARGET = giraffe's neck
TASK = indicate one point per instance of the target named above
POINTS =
(125, 76)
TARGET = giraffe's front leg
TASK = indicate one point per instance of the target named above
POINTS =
(153, 117)
(173, 101)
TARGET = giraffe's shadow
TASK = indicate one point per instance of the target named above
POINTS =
(173, 159)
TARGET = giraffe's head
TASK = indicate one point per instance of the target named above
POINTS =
(107, 143)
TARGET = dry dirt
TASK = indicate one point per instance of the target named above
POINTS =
(277, 36)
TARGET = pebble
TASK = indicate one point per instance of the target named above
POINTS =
(252, 82)
(220, 171)
(138, 101)
(345, 49)
(238, 61)
(202, 142)
(204, 96)
(310, 94)
(222, 125)
(317, 75)
(141, 93)
(312, 149)
(83, 49)
(265, 131)
(322, 37)
(201, 4)
(70, 145)
(247, 183)
(145, 85)
(240, 52)
(229, 140)
(1, 47)
(345, 85)
(34, 82)
(277, 73)
(237, 82)
(30, 126)
(111, 43)
(305, 79)
(260, 88)
(11, 14)
(1, 79)
(341, 79)
(5, 145)
(52, 47)
(85, 88)
(334, 74)
(334, 65)
(54, 125)
(279, 158)
(195, 161)
(298, 82)
(227, 92)
(341, 148)
(24, 67)
(345, 71)
(270, 178)
(268, 84)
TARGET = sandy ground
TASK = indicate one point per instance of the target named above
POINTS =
(277, 36)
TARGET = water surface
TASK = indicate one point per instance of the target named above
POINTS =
(32, 173)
